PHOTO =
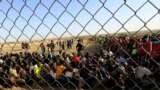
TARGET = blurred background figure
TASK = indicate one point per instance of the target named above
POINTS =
(79, 47)
(42, 47)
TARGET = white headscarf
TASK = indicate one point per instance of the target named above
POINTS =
(140, 72)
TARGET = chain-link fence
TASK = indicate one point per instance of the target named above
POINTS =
(80, 44)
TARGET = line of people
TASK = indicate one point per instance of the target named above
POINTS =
(63, 45)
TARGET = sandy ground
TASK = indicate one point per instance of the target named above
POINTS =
(90, 46)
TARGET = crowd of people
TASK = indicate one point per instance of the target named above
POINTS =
(122, 63)
(148, 45)
(63, 45)
(25, 45)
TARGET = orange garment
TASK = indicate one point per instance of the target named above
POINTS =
(59, 70)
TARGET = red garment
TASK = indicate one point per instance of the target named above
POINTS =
(76, 59)
(156, 51)
(144, 48)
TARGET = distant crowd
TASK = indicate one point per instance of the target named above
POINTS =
(121, 63)
(50, 47)
(145, 47)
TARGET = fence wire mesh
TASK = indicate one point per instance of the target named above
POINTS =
(80, 44)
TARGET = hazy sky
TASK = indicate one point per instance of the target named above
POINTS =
(39, 19)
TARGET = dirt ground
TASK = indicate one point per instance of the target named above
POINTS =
(90, 46)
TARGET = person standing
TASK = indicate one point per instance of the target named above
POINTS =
(23, 46)
(63, 45)
(52, 46)
(42, 48)
(144, 49)
(79, 47)
(60, 45)
(48, 47)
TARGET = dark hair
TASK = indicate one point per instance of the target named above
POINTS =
(145, 37)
